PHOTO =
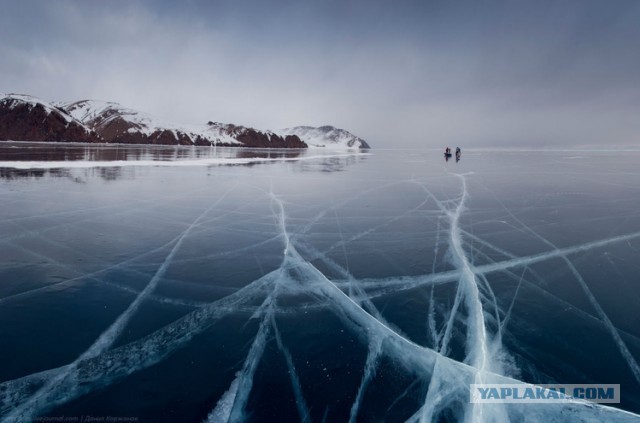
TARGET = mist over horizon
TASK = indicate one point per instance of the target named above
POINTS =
(403, 75)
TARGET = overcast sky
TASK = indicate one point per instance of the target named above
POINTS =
(397, 73)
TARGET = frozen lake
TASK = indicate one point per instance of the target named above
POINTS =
(164, 284)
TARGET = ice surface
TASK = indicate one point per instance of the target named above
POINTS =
(318, 288)
(167, 163)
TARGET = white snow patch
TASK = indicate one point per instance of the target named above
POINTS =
(325, 137)
(95, 113)
(15, 100)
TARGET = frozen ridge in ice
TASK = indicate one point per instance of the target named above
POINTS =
(218, 161)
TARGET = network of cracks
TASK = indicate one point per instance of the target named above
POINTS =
(400, 376)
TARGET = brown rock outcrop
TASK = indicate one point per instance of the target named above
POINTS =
(25, 118)
(30, 121)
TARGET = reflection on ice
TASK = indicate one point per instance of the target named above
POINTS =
(458, 310)
(18, 160)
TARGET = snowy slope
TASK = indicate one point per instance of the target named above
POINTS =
(119, 124)
(109, 119)
(27, 118)
(11, 101)
(326, 136)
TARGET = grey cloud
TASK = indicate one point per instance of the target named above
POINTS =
(407, 73)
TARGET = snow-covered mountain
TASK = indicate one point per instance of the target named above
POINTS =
(26, 118)
(326, 136)
(118, 124)
(115, 123)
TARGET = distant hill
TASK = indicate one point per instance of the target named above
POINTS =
(27, 118)
(326, 136)
(114, 123)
